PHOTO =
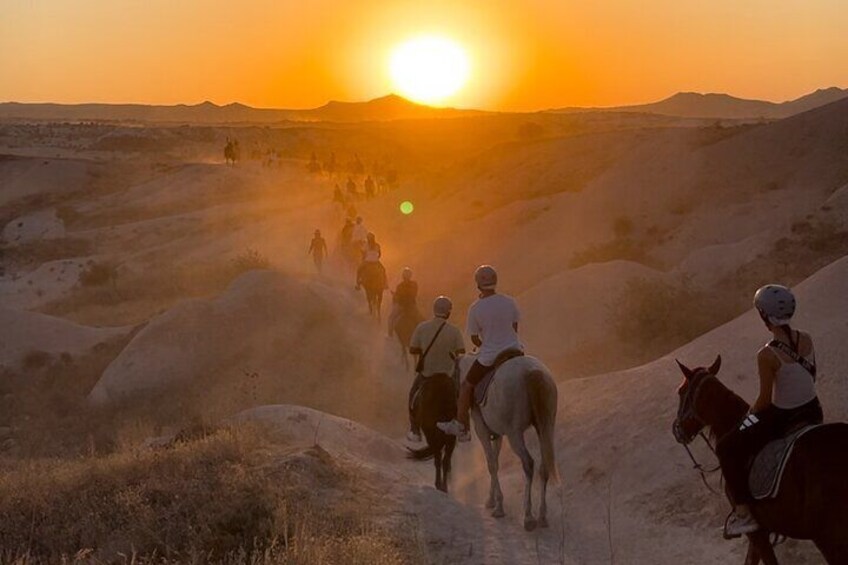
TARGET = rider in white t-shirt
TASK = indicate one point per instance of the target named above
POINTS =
(493, 326)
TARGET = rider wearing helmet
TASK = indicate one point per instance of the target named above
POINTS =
(405, 298)
(443, 343)
(493, 326)
(318, 250)
(786, 399)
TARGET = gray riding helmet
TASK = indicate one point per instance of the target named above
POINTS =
(776, 302)
(486, 277)
(442, 307)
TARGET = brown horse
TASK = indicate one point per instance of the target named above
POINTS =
(437, 403)
(813, 499)
(372, 277)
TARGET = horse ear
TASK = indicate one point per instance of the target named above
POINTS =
(687, 372)
(715, 366)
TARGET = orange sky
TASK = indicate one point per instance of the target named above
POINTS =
(525, 54)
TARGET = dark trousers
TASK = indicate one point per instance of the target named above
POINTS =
(414, 422)
(737, 448)
(466, 391)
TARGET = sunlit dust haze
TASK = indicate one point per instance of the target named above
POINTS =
(513, 55)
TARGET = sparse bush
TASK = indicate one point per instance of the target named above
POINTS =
(35, 360)
(622, 227)
(249, 260)
(617, 249)
(99, 273)
(655, 317)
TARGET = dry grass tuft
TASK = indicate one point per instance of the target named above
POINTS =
(223, 498)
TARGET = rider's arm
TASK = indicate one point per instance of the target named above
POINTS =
(767, 365)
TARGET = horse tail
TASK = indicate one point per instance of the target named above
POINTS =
(543, 406)
(422, 454)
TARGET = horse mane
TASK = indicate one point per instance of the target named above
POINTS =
(720, 407)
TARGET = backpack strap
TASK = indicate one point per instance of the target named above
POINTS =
(420, 365)
(794, 355)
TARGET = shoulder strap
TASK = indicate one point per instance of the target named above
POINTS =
(794, 355)
(432, 341)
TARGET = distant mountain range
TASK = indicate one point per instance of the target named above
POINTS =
(393, 107)
(724, 106)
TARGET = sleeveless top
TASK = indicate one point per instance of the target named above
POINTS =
(793, 385)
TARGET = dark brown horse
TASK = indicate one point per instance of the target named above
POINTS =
(813, 499)
(372, 278)
(437, 403)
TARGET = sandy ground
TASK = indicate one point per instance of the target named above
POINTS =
(569, 221)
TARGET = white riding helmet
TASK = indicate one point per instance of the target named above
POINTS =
(406, 274)
(442, 307)
(776, 303)
(486, 277)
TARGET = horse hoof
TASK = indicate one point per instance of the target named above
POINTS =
(529, 524)
(498, 513)
(543, 522)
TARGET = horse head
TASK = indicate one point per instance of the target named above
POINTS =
(690, 419)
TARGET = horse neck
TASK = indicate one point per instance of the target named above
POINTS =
(720, 408)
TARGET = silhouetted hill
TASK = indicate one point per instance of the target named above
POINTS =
(391, 107)
(724, 106)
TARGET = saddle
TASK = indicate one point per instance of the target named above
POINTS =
(768, 465)
(482, 388)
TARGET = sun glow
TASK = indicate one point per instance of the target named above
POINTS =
(429, 69)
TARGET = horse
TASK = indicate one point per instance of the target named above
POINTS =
(437, 403)
(373, 280)
(406, 323)
(522, 394)
(812, 502)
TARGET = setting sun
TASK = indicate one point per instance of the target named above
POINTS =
(429, 69)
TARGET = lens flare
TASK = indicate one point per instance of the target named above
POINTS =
(406, 207)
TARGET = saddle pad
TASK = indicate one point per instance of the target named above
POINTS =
(482, 388)
(767, 468)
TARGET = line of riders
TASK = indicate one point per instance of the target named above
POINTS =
(787, 396)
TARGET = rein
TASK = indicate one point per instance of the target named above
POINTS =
(688, 410)
(700, 468)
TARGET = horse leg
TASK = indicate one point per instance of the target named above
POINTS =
(544, 475)
(446, 461)
(762, 546)
(516, 441)
(753, 556)
(492, 449)
(437, 461)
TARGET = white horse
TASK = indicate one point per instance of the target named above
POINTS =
(522, 394)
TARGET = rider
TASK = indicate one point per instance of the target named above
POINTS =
(371, 254)
(359, 235)
(405, 297)
(442, 349)
(318, 250)
(493, 327)
(787, 399)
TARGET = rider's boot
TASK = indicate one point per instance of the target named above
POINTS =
(459, 426)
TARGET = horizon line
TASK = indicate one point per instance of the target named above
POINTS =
(433, 106)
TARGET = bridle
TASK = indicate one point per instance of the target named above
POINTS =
(687, 412)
